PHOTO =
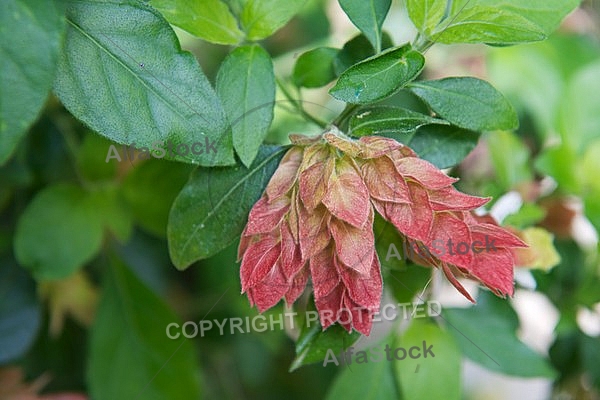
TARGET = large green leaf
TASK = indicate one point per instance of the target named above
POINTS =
(315, 68)
(545, 14)
(378, 77)
(426, 14)
(368, 16)
(467, 102)
(130, 354)
(208, 19)
(213, 207)
(59, 231)
(488, 25)
(437, 377)
(31, 33)
(20, 315)
(485, 331)
(246, 86)
(389, 121)
(261, 18)
(123, 73)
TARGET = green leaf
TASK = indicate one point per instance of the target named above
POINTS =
(246, 86)
(426, 14)
(530, 77)
(91, 158)
(559, 162)
(579, 119)
(510, 158)
(314, 342)
(378, 77)
(59, 231)
(31, 33)
(367, 381)
(212, 209)
(356, 50)
(436, 377)
(20, 314)
(150, 190)
(210, 20)
(123, 73)
(130, 353)
(590, 165)
(529, 214)
(315, 67)
(590, 352)
(467, 102)
(261, 18)
(389, 121)
(485, 331)
(489, 25)
(545, 14)
(404, 281)
(443, 146)
(111, 207)
(368, 17)
(386, 236)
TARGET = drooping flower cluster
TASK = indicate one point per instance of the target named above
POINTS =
(315, 220)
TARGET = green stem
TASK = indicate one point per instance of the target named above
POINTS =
(350, 108)
(298, 105)
(422, 43)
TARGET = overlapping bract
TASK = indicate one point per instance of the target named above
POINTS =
(315, 220)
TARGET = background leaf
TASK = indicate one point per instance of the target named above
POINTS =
(355, 382)
(246, 86)
(467, 102)
(208, 19)
(31, 33)
(20, 314)
(315, 67)
(150, 189)
(368, 17)
(212, 209)
(436, 377)
(485, 331)
(130, 353)
(122, 72)
(59, 231)
(261, 18)
(378, 77)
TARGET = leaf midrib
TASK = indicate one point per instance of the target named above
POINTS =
(126, 67)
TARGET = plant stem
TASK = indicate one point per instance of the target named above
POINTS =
(350, 108)
(298, 105)
(421, 43)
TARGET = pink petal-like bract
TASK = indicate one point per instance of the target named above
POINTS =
(315, 223)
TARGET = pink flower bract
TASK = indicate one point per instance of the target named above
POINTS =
(315, 220)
